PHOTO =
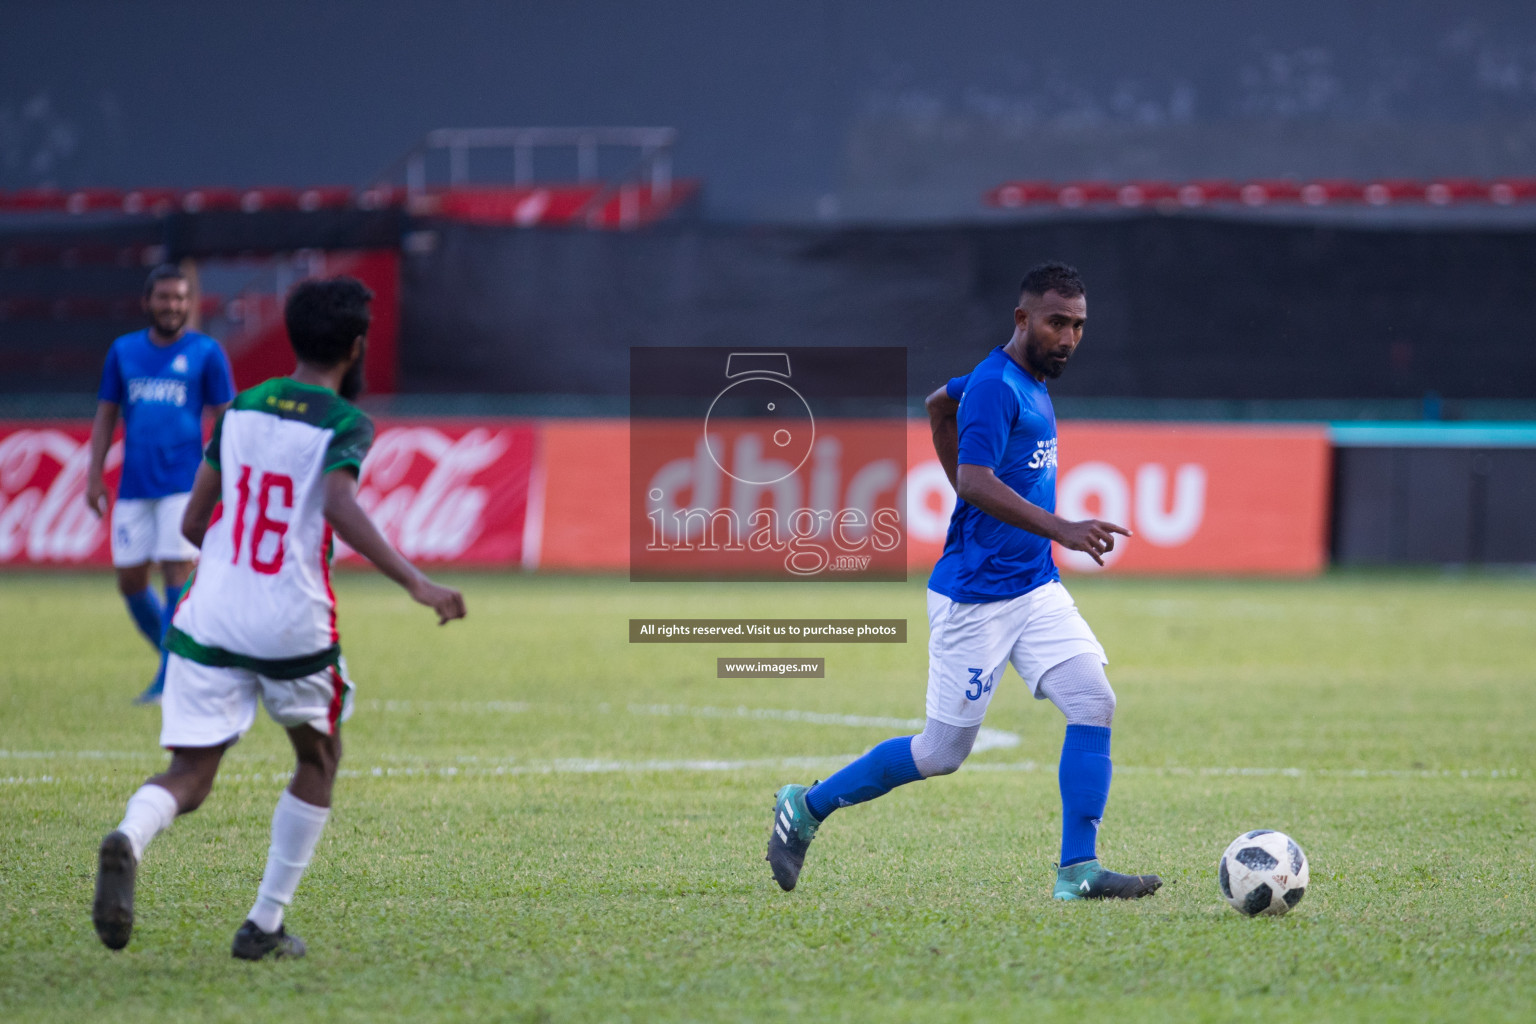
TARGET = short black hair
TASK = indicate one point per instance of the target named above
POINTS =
(1053, 277)
(163, 272)
(324, 317)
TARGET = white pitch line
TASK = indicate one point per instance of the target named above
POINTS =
(612, 766)
(78, 755)
(470, 765)
(1292, 773)
(986, 739)
(775, 714)
(474, 707)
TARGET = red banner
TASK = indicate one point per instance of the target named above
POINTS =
(451, 491)
(441, 491)
(1200, 498)
(733, 498)
(43, 516)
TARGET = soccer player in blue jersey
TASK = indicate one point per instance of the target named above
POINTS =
(995, 598)
(160, 380)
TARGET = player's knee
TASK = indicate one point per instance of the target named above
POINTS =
(326, 764)
(332, 761)
(191, 790)
(322, 756)
(1109, 706)
(175, 574)
(133, 580)
(1099, 706)
(190, 776)
(944, 762)
(941, 749)
(1081, 690)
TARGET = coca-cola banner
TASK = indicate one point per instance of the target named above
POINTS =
(43, 516)
(441, 491)
(452, 491)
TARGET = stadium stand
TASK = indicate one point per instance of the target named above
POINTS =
(1132, 195)
(73, 260)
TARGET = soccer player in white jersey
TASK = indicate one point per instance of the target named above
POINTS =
(995, 598)
(258, 622)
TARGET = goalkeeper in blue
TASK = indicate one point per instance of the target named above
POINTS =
(995, 599)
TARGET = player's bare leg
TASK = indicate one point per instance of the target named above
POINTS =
(190, 775)
(179, 789)
(297, 822)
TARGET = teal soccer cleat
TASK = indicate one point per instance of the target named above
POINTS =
(1088, 881)
(793, 829)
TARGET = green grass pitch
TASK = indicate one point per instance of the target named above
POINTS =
(539, 821)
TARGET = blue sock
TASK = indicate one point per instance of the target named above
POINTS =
(886, 766)
(172, 595)
(145, 609)
(1083, 774)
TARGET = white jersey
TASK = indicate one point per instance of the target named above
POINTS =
(261, 596)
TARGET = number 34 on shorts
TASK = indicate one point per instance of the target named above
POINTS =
(978, 685)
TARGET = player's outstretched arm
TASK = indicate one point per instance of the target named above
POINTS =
(102, 428)
(942, 410)
(352, 525)
(979, 486)
(207, 487)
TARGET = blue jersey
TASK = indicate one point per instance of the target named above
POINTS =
(162, 390)
(1007, 425)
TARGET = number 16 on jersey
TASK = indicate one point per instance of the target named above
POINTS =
(273, 491)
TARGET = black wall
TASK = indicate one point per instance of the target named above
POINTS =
(1179, 307)
(1464, 506)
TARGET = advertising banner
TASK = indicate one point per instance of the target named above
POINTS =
(781, 464)
(555, 495)
(446, 491)
(441, 491)
(1198, 498)
(43, 516)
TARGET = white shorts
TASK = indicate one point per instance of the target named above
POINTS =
(969, 646)
(149, 530)
(205, 706)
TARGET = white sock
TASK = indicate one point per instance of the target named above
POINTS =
(150, 811)
(296, 827)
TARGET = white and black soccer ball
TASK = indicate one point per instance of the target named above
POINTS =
(1263, 872)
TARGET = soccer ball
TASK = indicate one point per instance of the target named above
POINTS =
(1263, 872)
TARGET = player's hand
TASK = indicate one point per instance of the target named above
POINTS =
(1094, 536)
(96, 496)
(447, 602)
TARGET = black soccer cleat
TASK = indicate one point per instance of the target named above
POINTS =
(112, 911)
(251, 943)
(1088, 881)
(793, 829)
